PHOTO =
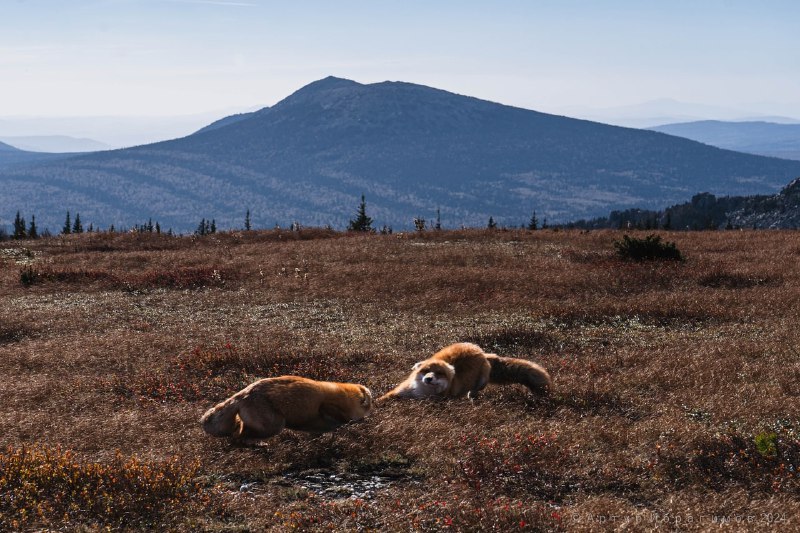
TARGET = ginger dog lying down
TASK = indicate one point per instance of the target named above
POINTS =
(464, 369)
(264, 408)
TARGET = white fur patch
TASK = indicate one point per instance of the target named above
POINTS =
(433, 385)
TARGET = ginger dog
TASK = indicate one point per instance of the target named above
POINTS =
(264, 408)
(464, 369)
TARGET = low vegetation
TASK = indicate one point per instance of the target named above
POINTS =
(649, 248)
(49, 487)
(677, 383)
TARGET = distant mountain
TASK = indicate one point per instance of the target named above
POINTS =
(667, 111)
(11, 157)
(58, 144)
(113, 131)
(755, 137)
(409, 148)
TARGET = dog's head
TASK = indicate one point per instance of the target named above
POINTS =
(433, 376)
(365, 402)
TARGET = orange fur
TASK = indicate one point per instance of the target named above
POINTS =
(464, 369)
(264, 408)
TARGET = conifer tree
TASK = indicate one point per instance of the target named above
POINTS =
(67, 229)
(201, 228)
(158, 228)
(213, 227)
(362, 222)
(19, 227)
(492, 224)
(438, 225)
(33, 231)
(533, 225)
(668, 221)
(247, 226)
(77, 227)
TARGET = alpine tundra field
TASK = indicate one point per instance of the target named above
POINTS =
(675, 400)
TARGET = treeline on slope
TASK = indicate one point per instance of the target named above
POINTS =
(361, 223)
(707, 211)
(24, 230)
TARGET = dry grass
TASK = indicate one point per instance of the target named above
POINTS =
(676, 401)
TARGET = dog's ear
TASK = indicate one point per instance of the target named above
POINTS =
(451, 367)
(366, 396)
(416, 365)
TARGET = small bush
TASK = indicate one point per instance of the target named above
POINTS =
(649, 248)
(766, 444)
(28, 275)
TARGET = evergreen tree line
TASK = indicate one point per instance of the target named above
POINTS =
(23, 230)
(206, 227)
(704, 211)
(360, 223)
(363, 223)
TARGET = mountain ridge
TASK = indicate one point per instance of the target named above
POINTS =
(11, 157)
(55, 143)
(409, 148)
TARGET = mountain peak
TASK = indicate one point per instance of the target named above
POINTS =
(328, 83)
(333, 81)
(320, 90)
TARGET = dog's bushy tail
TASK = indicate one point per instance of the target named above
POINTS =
(506, 370)
(222, 420)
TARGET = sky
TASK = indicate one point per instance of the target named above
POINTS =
(176, 57)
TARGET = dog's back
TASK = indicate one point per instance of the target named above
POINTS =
(471, 368)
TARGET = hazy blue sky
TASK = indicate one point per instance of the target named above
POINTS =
(166, 57)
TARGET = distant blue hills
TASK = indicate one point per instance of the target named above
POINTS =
(54, 143)
(756, 137)
(408, 148)
(11, 156)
